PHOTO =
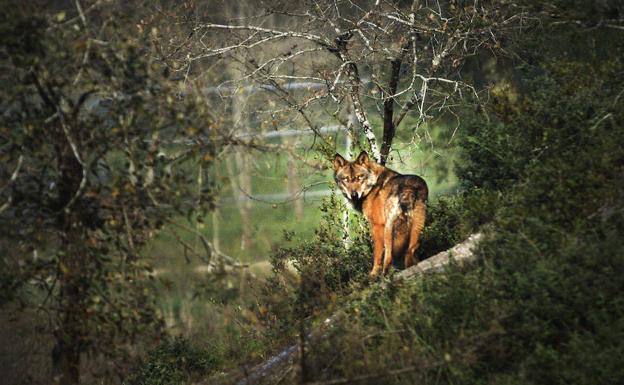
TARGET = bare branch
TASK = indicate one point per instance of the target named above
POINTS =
(425, 43)
(273, 33)
(14, 174)
(74, 148)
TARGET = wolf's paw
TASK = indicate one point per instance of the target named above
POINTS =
(375, 272)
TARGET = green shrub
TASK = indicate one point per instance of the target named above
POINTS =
(451, 219)
(176, 361)
(543, 304)
(325, 269)
(517, 316)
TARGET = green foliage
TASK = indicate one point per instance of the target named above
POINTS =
(176, 361)
(325, 268)
(543, 303)
(89, 174)
(516, 317)
(324, 258)
(541, 175)
(451, 219)
(567, 107)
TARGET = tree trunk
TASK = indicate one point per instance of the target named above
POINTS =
(351, 140)
(74, 282)
(244, 183)
(71, 278)
(65, 364)
(216, 242)
(293, 181)
(66, 351)
(389, 127)
(242, 179)
(73, 286)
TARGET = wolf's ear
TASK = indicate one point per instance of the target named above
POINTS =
(362, 158)
(339, 161)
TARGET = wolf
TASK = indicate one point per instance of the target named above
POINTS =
(394, 205)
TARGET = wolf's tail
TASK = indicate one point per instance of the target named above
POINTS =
(407, 199)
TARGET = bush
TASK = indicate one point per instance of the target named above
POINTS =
(517, 316)
(543, 303)
(176, 361)
(452, 219)
(325, 269)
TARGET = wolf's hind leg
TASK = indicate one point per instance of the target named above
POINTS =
(378, 244)
(417, 214)
(387, 247)
(392, 213)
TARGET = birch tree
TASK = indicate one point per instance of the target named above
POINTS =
(387, 59)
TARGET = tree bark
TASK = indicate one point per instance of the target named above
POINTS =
(293, 181)
(66, 351)
(216, 234)
(237, 183)
(341, 51)
(389, 128)
(65, 364)
(244, 183)
(360, 112)
(71, 279)
(68, 335)
(241, 181)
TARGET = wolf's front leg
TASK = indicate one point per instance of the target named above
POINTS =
(378, 247)
(417, 215)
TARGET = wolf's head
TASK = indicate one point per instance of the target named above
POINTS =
(357, 178)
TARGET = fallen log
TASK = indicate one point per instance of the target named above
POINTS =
(460, 253)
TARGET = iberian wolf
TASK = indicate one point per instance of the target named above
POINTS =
(394, 204)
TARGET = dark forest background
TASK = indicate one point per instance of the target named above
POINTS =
(167, 208)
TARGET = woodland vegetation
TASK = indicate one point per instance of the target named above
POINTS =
(145, 148)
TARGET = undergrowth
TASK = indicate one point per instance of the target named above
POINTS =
(542, 303)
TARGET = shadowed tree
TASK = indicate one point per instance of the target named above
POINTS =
(90, 171)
